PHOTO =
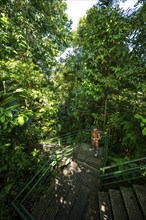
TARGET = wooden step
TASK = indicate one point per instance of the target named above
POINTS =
(91, 210)
(79, 205)
(140, 192)
(86, 168)
(66, 197)
(104, 206)
(69, 197)
(125, 203)
(117, 204)
(59, 187)
(62, 202)
(89, 157)
(131, 204)
(88, 180)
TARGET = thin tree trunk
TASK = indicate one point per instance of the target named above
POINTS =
(105, 112)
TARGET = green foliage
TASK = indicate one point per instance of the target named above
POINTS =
(130, 133)
(138, 42)
(11, 114)
(105, 78)
(36, 31)
(32, 35)
(142, 123)
(101, 82)
(95, 68)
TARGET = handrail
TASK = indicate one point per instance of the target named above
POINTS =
(124, 163)
(105, 151)
(45, 172)
(119, 172)
(59, 140)
(118, 175)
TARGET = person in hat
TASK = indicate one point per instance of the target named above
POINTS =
(95, 137)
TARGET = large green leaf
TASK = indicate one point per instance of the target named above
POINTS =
(21, 120)
(144, 131)
(8, 113)
(2, 118)
(137, 116)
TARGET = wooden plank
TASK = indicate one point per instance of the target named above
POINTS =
(141, 196)
(40, 208)
(62, 185)
(87, 156)
(119, 211)
(62, 202)
(86, 168)
(91, 210)
(42, 205)
(104, 206)
(68, 203)
(79, 205)
(87, 180)
(131, 204)
(58, 196)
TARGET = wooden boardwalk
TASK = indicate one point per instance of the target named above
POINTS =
(125, 203)
(73, 197)
(78, 197)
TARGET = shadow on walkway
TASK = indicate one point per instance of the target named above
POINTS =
(73, 197)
